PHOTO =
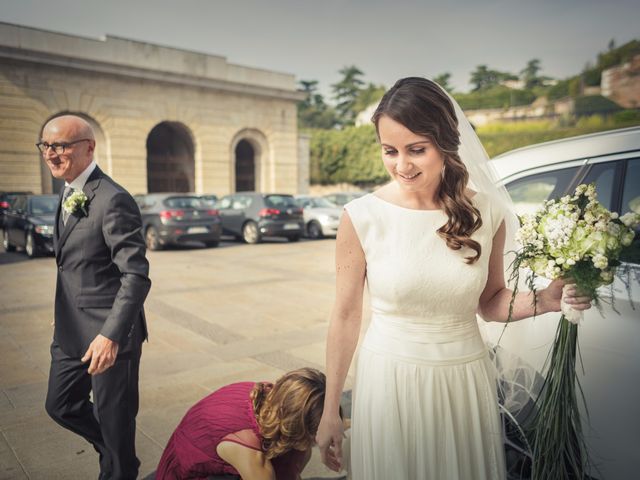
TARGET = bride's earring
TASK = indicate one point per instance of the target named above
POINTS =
(443, 167)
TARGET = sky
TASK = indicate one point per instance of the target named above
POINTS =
(387, 40)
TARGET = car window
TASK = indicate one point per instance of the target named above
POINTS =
(631, 189)
(224, 202)
(528, 193)
(322, 203)
(19, 202)
(303, 202)
(183, 202)
(603, 175)
(279, 201)
(44, 205)
(209, 200)
(631, 202)
(241, 202)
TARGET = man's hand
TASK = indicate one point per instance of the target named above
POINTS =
(102, 352)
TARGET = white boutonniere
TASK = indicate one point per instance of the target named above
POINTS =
(76, 201)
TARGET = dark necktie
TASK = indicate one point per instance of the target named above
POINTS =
(68, 190)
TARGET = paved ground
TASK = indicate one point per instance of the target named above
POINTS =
(216, 316)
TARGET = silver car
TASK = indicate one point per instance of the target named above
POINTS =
(321, 217)
(609, 343)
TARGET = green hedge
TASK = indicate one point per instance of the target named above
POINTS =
(350, 155)
(495, 97)
(595, 104)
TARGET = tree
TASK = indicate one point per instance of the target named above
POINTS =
(368, 96)
(313, 112)
(443, 81)
(346, 93)
(529, 74)
(483, 78)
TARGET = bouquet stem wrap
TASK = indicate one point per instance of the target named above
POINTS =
(570, 314)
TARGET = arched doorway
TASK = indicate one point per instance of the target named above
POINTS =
(170, 158)
(101, 154)
(245, 167)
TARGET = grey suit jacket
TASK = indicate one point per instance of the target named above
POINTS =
(103, 274)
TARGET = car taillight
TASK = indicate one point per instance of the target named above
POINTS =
(168, 214)
(266, 212)
(213, 212)
(299, 211)
(4, 204)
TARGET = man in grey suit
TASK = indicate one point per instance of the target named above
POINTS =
(102, 282)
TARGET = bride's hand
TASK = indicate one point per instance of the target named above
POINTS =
(329, 439)
(551, 296)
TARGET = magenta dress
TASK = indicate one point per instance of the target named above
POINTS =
(227, 414)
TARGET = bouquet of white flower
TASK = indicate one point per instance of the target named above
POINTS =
(575, 238)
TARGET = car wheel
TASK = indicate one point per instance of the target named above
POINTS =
(6, 243)
(152, 239)
(294, 238)
(211, 244)
(314, 230)
(250, 233)
(30, 246)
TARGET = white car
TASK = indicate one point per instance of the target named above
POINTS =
(321, 217)
(609, 343)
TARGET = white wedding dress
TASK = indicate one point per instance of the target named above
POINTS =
(425, 403)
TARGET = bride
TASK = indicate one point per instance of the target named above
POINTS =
(430, 246)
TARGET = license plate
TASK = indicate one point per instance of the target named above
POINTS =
(291, 226)
(192, 230)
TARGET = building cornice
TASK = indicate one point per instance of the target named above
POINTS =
(61, 61)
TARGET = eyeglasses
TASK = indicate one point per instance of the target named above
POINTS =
(59, 148)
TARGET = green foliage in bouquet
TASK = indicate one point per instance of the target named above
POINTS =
(577, 239)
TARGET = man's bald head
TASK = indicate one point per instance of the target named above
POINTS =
(71, 124)
(77, 136)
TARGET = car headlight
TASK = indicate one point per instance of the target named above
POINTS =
(44, 229)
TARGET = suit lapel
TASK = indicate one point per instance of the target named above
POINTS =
(89, 190)
(56, 225)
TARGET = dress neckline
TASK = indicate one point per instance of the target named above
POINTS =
(433, 210)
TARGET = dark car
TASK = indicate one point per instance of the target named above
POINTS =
(176, 218)
(6, 198)
(250, 216)
(29, 224)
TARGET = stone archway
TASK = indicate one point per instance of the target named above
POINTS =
(102, 153)
(251, 169)
(245, 167)
(170, 158)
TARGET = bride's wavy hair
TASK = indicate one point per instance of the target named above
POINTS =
(288, 412)
(425, 109)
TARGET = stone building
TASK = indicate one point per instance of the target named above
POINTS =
(165, 119)
(622, 83)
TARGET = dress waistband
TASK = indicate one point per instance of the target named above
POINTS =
(425, 343)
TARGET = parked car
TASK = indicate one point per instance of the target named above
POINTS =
(321, 217)
(342, 198)
(29, 224)
(250, 216)
(176, 218)
(609, 342)
(5, 203)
